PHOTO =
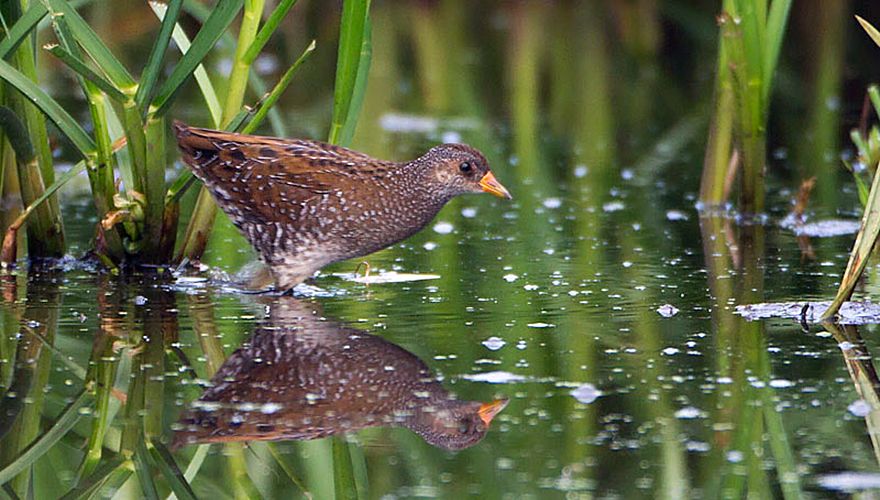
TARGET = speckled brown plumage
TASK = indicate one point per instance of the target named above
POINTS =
(305, 204)
(303, 377)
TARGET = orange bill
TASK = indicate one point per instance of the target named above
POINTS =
(488, 411)
(491, 185)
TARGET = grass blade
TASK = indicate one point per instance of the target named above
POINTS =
(201, 76)
(166, 464)
(50, 108)
(84, 71)
(214, 27)
(144, 474)
(360, 88)
(276, 92)
(91, 484)
(776, 23)
(6, 254)
(858, 258)
(94, 47)
(267, 30)
(154, 63)
(352, 31)
(22, 28)
(869, 28)
(285, 466)
(65, 422)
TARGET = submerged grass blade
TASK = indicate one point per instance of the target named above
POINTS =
(864, 244)
(144, 473)
(65, 422)
(166, 464)
(220, 19)
(90, 485)
(353, 31)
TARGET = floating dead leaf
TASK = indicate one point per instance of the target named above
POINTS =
(850, 313)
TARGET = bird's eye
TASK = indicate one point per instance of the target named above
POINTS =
(465, 167)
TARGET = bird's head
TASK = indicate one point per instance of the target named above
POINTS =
(456, 425)
(458, 169)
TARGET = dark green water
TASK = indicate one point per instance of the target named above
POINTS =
(552, 301)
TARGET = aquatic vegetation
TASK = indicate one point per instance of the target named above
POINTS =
(748, 53)
(866, 239)
(139, 215)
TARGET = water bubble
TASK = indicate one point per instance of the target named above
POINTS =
(443, 227)
(781, 383)
(552, 203)
(580, 171)
(676, 215)
(541, 325)
(689, 412)
(468, 212)
(850, 481)
(510, 278)
(140, 300)
(451, 136)
(496, 377)
(429, 245)
(667, 310)
(270, 408)
(613, 206)
(494, 343)
(669, 351)
(859, 408)
(586, 393)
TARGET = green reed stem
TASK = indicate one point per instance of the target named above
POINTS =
(100, 174)
(353, 60)
(45, 231)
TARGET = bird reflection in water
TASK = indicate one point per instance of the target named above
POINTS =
(303, 377)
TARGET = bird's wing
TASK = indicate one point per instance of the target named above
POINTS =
(259, 173)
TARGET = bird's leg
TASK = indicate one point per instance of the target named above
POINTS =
(367, 269)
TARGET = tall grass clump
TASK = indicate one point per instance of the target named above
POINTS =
(751, 37)
(125, 153)
(25, 151)
(868, 145)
